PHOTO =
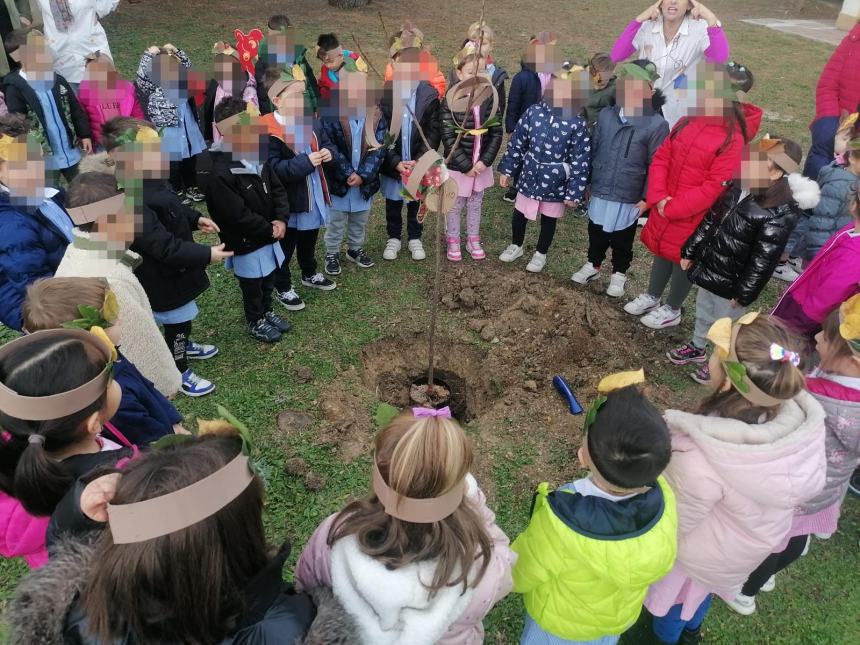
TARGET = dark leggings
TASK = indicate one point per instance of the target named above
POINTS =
(621, 243)
(773, 564)
(547, 231)
(183, 174)
(177, 338)
(665, 272)
(303, 244)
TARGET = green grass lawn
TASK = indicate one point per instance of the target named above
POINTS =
(815, 600)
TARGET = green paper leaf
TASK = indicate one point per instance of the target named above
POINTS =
(385, 413)
(737, 375)
(241, 427)
(170, 440)
(591, 415)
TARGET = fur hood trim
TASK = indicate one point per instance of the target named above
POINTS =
(805, 192)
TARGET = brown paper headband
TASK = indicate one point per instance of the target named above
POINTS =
(279, 87)
(89, 213)
(55, 406)
(774, 149)
(753, 393)
(417, 511)
(159, 516)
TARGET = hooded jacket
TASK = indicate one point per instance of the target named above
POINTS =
(736, 248)
(692, 167)
(491, 140)
(585, 563)
(831, 213)
(737, 486)
(428, 112)
(339, 133)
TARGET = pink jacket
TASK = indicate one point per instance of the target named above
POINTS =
(102, 105)
(737, 486)
(832, 277)
(22, 534)
(391, 606)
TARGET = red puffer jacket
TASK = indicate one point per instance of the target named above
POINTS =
(839, 85)
(687, 168)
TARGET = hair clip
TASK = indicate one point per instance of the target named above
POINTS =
(36, 438)
(783, 355)
(420, 413)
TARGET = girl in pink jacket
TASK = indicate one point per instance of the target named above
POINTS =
(104, 95)
(752, 453)
(420, 560)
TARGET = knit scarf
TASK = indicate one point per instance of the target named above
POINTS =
(62, 14)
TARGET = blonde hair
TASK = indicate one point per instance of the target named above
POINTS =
(50, 302)
(476, 30)
(421, 458)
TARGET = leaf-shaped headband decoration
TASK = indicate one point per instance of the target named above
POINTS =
(610, 384)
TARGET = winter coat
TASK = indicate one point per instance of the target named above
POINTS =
(585, 563)
(103, 105)
(599, 99)
(392, 606)
(263, 63)
(249, 96)
(831, 278)
(21, 98)
(160, 110)
(737, 247)
(498, 78)
(173, 271)
(525, 91)
(244, 204)
(438, 82)
(142, 341)
(842, 440)
(21, 534)
(339, 134)
(428, 112)
(737, 486)
(838, 88)
(692, 167)
(832, 212)
(622, 153)
(31, 247)
(46, 610)
(548, 156)
(294, 170)
(491, 140)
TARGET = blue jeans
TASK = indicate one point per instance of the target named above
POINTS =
(669, 628)
(821, 153)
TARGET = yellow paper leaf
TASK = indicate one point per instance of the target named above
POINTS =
(620, 380)
(99, 333)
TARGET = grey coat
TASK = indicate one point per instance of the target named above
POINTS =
(832, 213)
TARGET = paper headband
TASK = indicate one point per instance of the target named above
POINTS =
(849, 322)
(417, 511)
(89, 213)
(774, 149)
(56, 406)
(292, 81)
(152, 518)
(137, 135)
(647, 73)
(609, 384)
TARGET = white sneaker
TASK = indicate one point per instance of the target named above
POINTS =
(744, 605)
(616, 285)
(537, 263)
(642, 304)
(823, 536)
(806, 546)
(586, 274)
(796, 264)
(392, 248)
(416, 249)
(511, 253)
(786, 273)
(770, 585)
(662, 317)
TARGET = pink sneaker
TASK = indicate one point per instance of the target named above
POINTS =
(454, 253)
(473, 246)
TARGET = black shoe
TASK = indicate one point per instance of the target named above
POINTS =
(854, 483)
(510, 195)
(264, 331)
(290, 299)
(194, 195)
(361, 258)
(332, 264)
(281, 324)
(691, 637)
(319, 281)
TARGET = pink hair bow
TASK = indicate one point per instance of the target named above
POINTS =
(783, 355)
(419, 413)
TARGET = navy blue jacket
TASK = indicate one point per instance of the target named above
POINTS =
(31, 247)
(525, 91)
(340, 135)
(428, 111)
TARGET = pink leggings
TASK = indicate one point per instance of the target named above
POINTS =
(473, 215)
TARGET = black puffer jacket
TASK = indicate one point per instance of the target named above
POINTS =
(491, 140)
(428, 113)
(736, 248)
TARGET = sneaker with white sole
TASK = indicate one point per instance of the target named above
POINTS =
(616, 285)
(361, 258)
(511, 253)
(290, 299)
(193, 385)
(785, 272)
(796, 264)
(510, 195)
(473, 246)
(319, 281)
(198, 352)
(806, 546)
(686, 354)
(392, 248)
(332, 263)
(823, 536)
(416, 249)
(537, 263)
(702, 376)
(770, 585)
(586, 274)
(264, 331)
(642, 304)
(744, 605)
(195, 195)
(661, 317)
(281, 324)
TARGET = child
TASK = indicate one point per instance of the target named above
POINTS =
(832, 277)
(353, 178)
(249, 205)
(34, 231)
(221, 583)
(297, 149)
(162, 83)
(104, 95)
(229, 79)
(100, 250)
(420, 560)
(279, 50)
(735, 250)
(410, 37)
(484, 35)
(752, 452)
(626, 136)
(602, 71)
(48, 101)
(548, 158)
(573, 564)
(413, 96)
(835, 383)
(686, 177)
(55, 303)
(173, 271)
(472, 164)
(333, 58)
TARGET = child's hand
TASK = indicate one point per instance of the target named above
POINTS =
(651, 13)
(217, 254)
(97, 495)
(153, 51)
(87, 146)
(178, 428)
(354, 180)
(207, 225)
(642, 206)
(571, 204)
(686, 264)
(476, 170)
(326, 155)
(662, 206)
(279, 229)
(504, 180)
(317, 159)
(405, 166)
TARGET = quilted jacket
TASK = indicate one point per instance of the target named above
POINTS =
(839, 84)
(491, 140)
(832, 212)
(339, 134)
(525, 91)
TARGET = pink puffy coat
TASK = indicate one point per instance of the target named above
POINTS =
(22, 534)
(839, 85)
(102, 105)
